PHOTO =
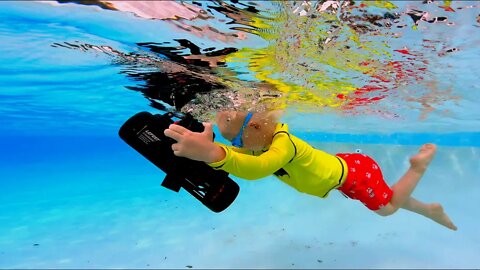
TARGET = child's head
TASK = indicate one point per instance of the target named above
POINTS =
(253, 131)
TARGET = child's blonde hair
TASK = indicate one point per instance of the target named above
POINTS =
(258, 98)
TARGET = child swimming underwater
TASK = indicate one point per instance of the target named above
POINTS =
(262, 146)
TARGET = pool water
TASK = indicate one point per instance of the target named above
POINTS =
(76, 196)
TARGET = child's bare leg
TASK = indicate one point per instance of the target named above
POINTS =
(407, 183)
(404, 187)
(418, 165)
(433, 211)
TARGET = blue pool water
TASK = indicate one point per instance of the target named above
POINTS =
(74, 195)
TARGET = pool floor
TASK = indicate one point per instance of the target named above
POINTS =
(105, 208)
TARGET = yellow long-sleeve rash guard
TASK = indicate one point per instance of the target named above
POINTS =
(290, 159)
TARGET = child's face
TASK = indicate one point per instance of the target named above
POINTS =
(230, 125)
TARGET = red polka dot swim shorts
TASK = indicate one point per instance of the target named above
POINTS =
(365, 181)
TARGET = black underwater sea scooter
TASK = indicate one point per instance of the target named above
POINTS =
(144, 133)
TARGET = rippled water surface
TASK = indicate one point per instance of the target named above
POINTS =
(381, 76)
(380, 65)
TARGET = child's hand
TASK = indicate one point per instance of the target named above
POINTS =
(195, 145)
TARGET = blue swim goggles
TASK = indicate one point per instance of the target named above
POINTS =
(237, 141)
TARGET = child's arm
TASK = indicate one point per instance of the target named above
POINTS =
(199, 146)
(252, 167)
(195, 145)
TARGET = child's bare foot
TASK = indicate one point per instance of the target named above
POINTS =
(420, 161)
(437, 214)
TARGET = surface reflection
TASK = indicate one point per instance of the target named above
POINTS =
(356, 57)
